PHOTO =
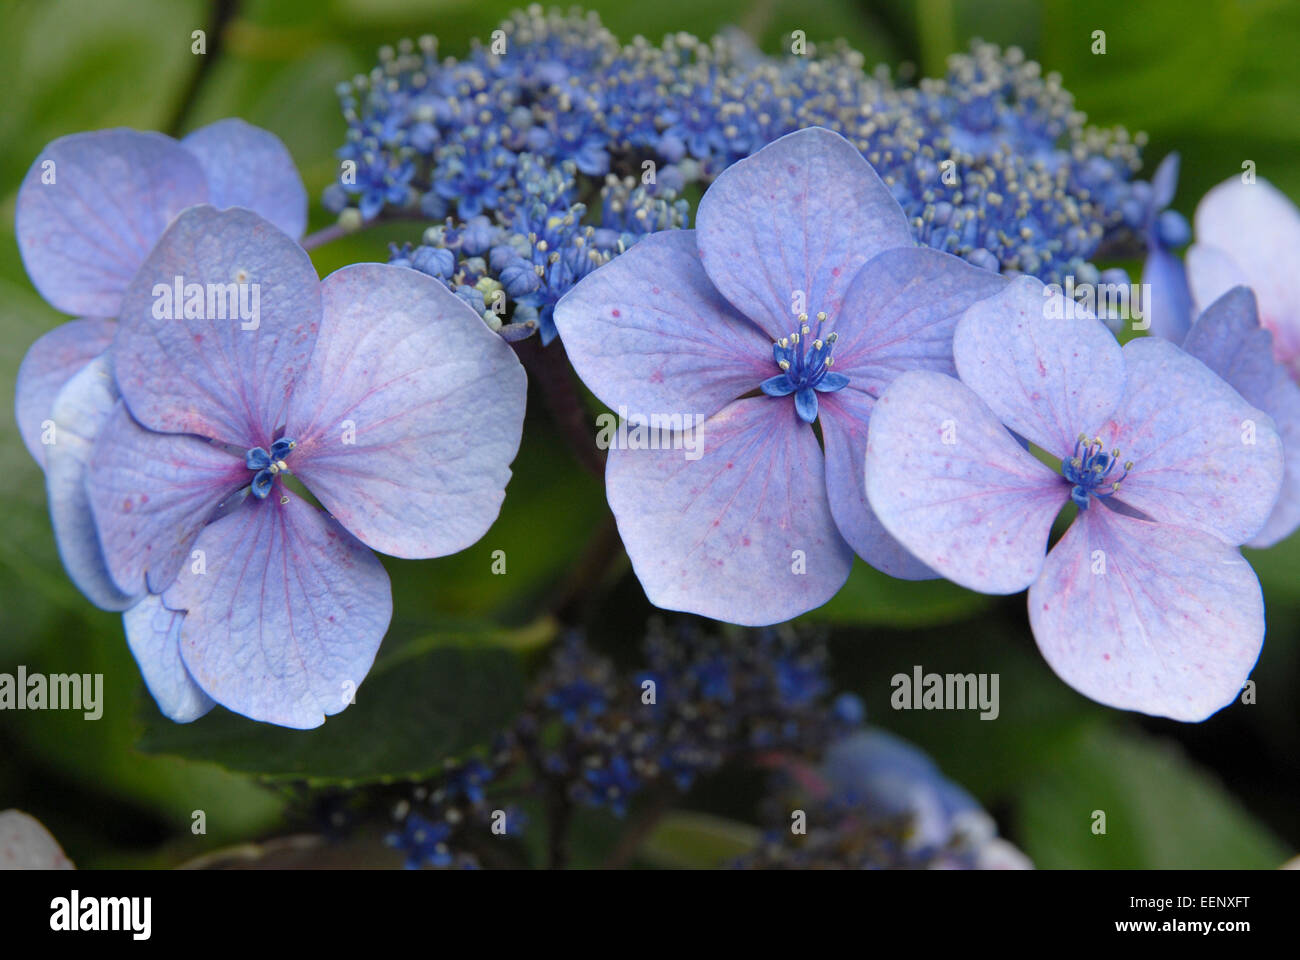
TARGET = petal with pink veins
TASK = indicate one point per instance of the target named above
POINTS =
(218, 375)
(649, 332)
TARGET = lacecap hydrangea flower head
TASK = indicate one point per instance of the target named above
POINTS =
(1145, 603)
(796, 300)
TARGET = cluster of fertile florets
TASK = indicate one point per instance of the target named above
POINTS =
(991, 163)
(595, 736)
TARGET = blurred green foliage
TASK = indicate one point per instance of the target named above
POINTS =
(1214, 80)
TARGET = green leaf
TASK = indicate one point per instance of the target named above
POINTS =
(427, 702)
(1162, 811)
(701, 841)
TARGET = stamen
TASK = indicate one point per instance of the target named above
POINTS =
(804, 359)
(1089, 471)
(266, 466)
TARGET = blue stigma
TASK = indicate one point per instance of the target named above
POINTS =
(1089, 470)
(805, 361)
(267, 465)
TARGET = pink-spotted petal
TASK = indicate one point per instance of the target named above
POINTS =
(247, 166)
(954, 487)
(410, 415)
(1047, 368)
(78, 417)
(283, 622)
(844, 418)
(1202, 456)
(227, 374)
(734, 524)
(91, 208)
(154, 635)
(648, 332)
(49, 364)
(786, 230)
(1145, 616)
(151, 494)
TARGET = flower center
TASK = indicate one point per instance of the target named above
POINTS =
(1090, 469)
(804, 358)
(266, 465)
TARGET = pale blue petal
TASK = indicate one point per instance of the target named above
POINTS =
(409, 415)
(791, 226)
(249, 167)
(283, 623)
(153, 633)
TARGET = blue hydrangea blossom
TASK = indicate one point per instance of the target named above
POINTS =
(1145, 603)
(801, 261)
(368, 387)
(89, 212)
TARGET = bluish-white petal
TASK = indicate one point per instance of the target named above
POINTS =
(649, 332)
(151, 494)
(227, 373)
(91, 208)
(791, 226)
(410, 414)
(79, 413)
(247, 166)
(283, 623)
(1045, 366)
(954, 487)
(1145, 616)
(734, 524)
(1202, 456)
(153, 633)
(900, 312)
(49, 364)
(845, 416)
(1258, 228)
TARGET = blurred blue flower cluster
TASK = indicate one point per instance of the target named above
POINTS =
(596, 736)
(991, 162)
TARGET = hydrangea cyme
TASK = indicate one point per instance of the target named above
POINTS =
(370, 387)
(1145, 603)
(796, 300)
